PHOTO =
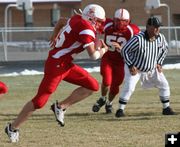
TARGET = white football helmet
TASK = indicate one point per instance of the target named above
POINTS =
(121, 19)
(94, 13)
(122, 14)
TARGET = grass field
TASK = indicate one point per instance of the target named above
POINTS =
(143, 126)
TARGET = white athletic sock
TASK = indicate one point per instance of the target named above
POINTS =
(122, 106)
(165, 105)
(109, 102)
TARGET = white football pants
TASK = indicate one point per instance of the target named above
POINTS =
(148, 80)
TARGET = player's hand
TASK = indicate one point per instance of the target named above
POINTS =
(133, 70)
(117, 46)
(159, 68)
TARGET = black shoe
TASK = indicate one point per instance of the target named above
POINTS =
(168, 111)
(108, 108)
(119, 113)
(96, 107)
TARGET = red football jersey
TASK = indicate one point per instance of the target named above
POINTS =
(112, 35)
(73, 38)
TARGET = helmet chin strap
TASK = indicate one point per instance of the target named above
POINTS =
(93, 23)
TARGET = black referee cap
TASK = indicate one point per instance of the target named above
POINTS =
(154, 21)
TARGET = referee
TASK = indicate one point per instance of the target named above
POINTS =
(144, 55)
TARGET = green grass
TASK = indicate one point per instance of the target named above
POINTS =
(143, 126)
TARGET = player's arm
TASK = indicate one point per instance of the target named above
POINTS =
(96, 53)
(56, 31)
(164, 52)
(129, 50)
(133, 70)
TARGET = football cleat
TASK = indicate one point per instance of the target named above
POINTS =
(108, 108)
(119, 113)
(168, 111)
(59, 113)
(12, 134)
(100, 102)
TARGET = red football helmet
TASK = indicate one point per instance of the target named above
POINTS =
(121, 19)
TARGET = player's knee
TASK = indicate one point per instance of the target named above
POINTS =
(40, 100)
(3, 88)
(95, 87)
(43, 95)
(38, 104)
(106, 83)
(92, 85)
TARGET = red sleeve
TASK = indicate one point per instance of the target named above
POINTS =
(85, 39)
(86, 33)
(135, 28)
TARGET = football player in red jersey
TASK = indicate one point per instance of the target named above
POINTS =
(116, 33)
(76, 36)
(3, 88)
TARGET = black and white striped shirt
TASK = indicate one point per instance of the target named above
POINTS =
(143, 53)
